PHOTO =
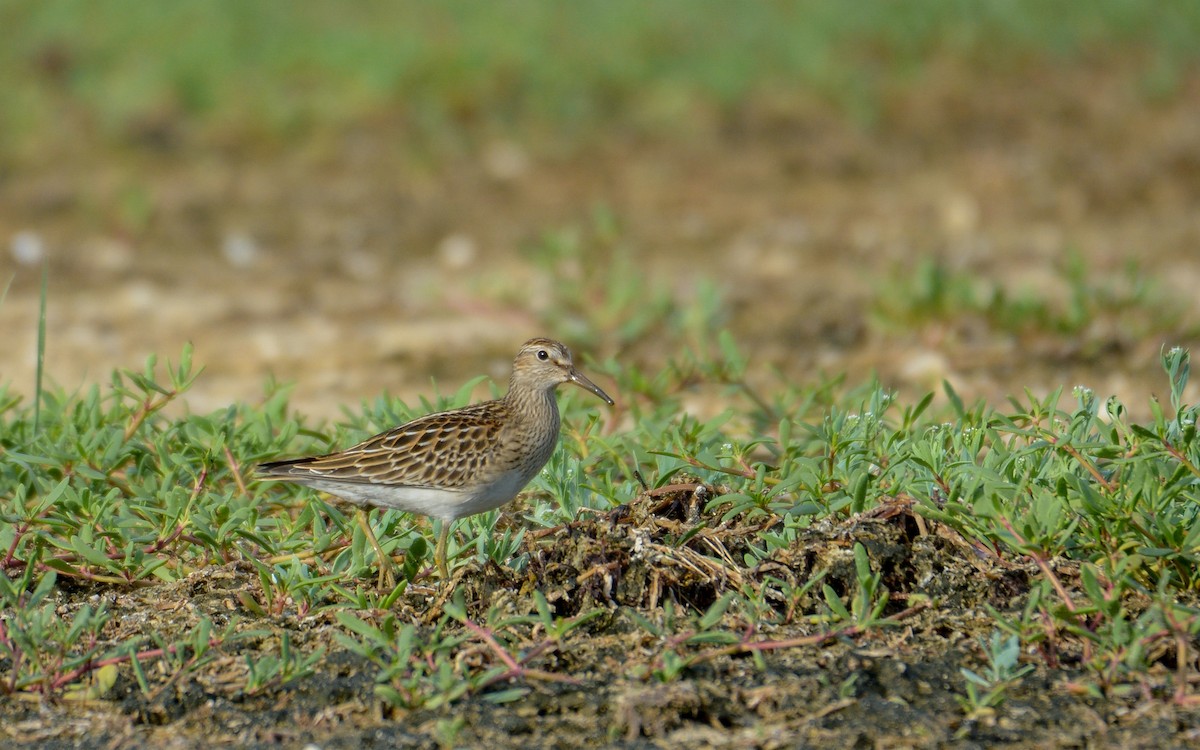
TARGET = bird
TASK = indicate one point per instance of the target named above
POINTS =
(451, 464)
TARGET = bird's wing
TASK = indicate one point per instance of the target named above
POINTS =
(445, 450)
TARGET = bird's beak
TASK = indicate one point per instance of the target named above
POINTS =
(578, 379)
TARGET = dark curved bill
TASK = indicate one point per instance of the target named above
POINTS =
(578, 379)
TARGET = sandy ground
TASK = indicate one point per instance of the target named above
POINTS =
(346, 265)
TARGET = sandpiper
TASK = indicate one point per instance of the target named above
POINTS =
(455, 463)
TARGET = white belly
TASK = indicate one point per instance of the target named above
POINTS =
(446, 504)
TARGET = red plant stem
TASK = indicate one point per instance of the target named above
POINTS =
(1084, 462)
(149, 406)
(1040, 561)
(18, 532)
(88, 666)
(514, 669)
(235, 469)
(490, 640)
(1181, 458)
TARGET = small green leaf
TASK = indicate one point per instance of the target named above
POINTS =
(716, 611)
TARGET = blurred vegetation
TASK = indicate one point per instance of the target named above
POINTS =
(239, 70)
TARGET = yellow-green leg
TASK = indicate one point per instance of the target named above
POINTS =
(439, 552)
(387, 579)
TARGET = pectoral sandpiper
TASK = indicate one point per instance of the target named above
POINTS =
(453, 463)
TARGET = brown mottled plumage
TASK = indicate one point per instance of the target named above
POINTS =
(453, 463)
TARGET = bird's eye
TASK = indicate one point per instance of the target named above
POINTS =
(543, 355)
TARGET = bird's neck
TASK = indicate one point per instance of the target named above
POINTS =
(536, 404)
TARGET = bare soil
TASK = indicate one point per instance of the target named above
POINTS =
(893, 686)
(348, 264)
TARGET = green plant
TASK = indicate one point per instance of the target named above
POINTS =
(869, 600)
(270, 672)
(988, 690)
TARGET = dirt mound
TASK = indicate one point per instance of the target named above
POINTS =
(651, 624)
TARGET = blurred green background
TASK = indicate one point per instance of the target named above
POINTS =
(447, 70)
(362, 195)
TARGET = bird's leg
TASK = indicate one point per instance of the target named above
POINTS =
(439, 552)
(387, 579)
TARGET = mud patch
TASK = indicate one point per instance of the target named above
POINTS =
(645, 573)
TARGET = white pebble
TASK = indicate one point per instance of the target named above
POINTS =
(27, 248)
(240, 250)
(505, 160)
(456, 251)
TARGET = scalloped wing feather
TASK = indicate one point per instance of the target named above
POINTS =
(462, 441)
